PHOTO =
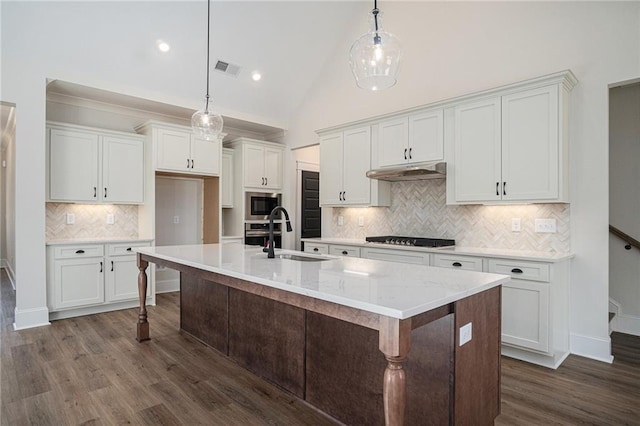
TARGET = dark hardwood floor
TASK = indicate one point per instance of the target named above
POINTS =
(90, 370)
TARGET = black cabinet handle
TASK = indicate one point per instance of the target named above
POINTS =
(95, 192)
(405, 153)
(345, 252)
(112, 266)
(344, 195)
(262, 181)
(100, 266)
(79, 251)
(266, 181)
(627, 247)
(192, 164)
(316, 249)
(340, 196)
(410, 157)
(456, 264)
(187, 163)
(128, 248)
(497, 188)
(516, 271)
(504, 188)
(105, 193)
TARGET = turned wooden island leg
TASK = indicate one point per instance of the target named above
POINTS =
(143, 324)
(395, 342)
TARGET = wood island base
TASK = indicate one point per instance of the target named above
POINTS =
(358, 367)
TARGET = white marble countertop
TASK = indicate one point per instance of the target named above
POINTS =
(388, 288)
(97, 241)
(540, 256)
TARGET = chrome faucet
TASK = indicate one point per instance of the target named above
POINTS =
(275, 211)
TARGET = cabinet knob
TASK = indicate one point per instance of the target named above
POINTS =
(316, 249)
(456, 264)
(79, 251)
(128, 248)
(516, 271)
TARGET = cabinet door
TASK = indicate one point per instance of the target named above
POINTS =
(348, 251)
(205, 156)
(121, 280)
(391, 255)
(525, 314)
(393, 145)
(467, 263)
(78, 282)
(73, 165)
(273, 168)
(122, 170)
(331, 162)
(253, 166)
(530, 145)
(173, 150)
(426, 136)
(356, 163)
(226, 180)
(477, 151)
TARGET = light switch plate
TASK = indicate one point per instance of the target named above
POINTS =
(465, 333)
(515, 224)
(360, 221)
(176, 220)
(111, 219)
(340, 220)
(545, 226)
(71, 218)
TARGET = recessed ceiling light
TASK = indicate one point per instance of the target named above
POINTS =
(163, 46)
(256, 76)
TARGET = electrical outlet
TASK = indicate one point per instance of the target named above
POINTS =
(465, 333)
(176, 220)
(360, 221)
(71, 218)
(515, 224)
(545, 226)
(340, 220)
(111, 219)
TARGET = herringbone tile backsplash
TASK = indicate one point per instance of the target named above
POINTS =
(91, 221)
(419, 209)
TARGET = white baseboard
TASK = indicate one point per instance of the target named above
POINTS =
(591, 347)
(167, 286)
(29, 318)
(628, 324)
(10, 274)
(548, 361)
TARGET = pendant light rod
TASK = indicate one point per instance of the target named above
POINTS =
(206, 108)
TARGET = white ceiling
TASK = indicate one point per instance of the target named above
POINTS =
(289, 42)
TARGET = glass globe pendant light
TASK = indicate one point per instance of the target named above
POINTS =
(206, 123)
(375, 57)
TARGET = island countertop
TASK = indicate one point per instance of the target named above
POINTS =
(392, 289)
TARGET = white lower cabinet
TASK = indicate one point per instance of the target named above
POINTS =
(82, 277)
(349, 251)
(316, 248)
(468, 263)
(404, 256)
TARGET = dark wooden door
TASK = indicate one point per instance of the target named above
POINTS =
(311, 218)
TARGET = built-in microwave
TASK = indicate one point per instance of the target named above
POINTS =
(258, 205)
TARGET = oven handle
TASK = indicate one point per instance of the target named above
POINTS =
(260, 233)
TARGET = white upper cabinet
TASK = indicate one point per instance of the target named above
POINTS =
(345, 158)
(179, 150)
(93, 165)
(414, 138)
(261, 163)
(512, 146)
(226, 179)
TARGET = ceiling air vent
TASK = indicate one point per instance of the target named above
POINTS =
(227, 68)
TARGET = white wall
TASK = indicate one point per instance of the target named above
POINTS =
(624, 199)
(9, 208)
(455, 48)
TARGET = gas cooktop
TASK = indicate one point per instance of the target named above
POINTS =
(412, 241)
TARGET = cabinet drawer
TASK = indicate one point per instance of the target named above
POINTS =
(402, 256)
(349, 251)
(316, 248)
(520, 269)
(123, 249)
(467, 263)
(85, 250)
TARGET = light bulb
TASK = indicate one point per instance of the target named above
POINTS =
(206, 123)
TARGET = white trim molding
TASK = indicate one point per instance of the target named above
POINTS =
(629, 324)
(30, 318)
(591, 347)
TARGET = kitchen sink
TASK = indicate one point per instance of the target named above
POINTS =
(302, 258)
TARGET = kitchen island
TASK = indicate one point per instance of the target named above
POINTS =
(366, 341)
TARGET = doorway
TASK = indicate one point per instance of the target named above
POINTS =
(310, 211)
(624, 205)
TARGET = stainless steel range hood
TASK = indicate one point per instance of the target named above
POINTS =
(436, 170)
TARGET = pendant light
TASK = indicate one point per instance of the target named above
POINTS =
(206, 123)
(375, 57)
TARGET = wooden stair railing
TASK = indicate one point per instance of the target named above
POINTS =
(631, 242)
